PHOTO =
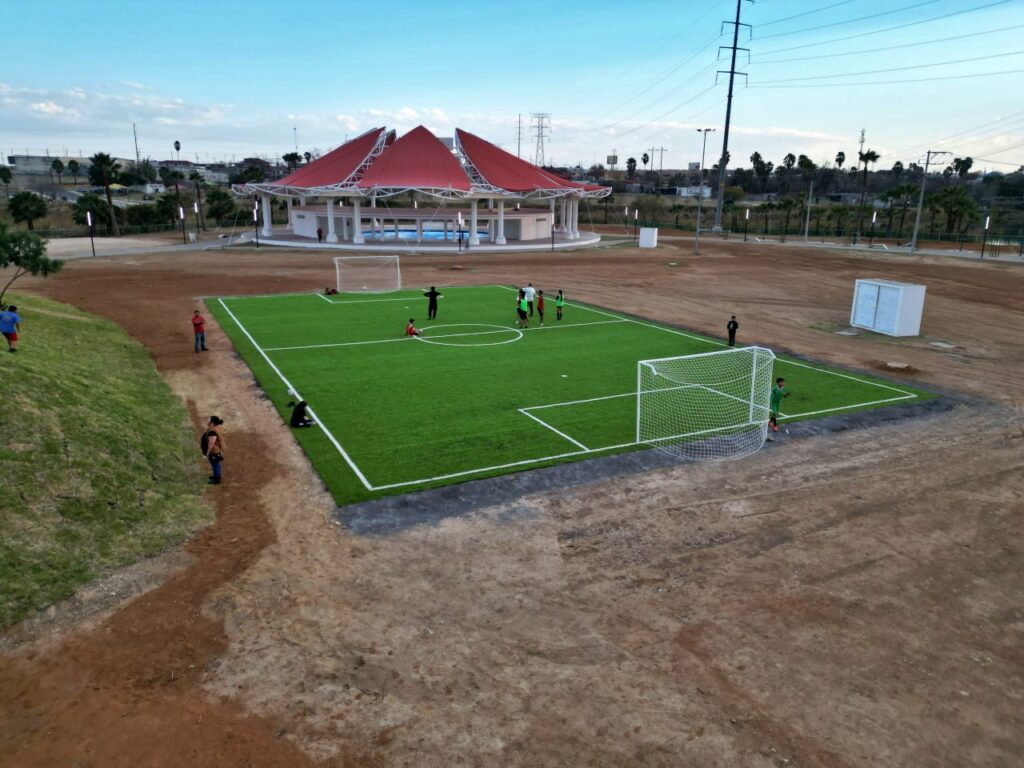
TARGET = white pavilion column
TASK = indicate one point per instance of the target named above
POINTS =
(289, 202)
(419, 229)
(332, 236)
(267, 230)
(500, 237)
(302, 200)
(357, 223)
(574, 218)
(344, 221)
(562, 220)
(473, 238)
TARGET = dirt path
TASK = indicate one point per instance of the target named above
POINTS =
(844, 601)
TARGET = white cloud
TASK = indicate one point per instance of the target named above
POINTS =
(53, 109)
(137, 86)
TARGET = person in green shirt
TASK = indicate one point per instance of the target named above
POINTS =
(775, 403)
(521, 306)
(559, 304)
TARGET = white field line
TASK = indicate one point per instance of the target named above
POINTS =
(319, 422)
(847, 407)
(369, 301)
(321, 296)
(442, 335)
(556, 431)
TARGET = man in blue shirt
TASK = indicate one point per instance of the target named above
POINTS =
(10, 324)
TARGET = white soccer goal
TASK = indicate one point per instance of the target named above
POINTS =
(372, 274)
(706, 407)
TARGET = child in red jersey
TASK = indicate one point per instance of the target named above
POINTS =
(412, 330)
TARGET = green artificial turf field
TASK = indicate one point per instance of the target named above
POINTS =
(473, 396)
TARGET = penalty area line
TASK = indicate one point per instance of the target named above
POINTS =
(558, 432)
(319, 422)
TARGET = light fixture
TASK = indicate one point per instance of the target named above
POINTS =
(88, 218)
(195, 206)
(181, 213)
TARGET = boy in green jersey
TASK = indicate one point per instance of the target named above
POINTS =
(775, 404)
(521, 306)
(559, 304)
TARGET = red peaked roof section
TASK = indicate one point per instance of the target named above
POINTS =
(418, 160)
(503, 169)
(337, 165)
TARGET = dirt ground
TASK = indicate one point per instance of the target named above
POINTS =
(846, 600)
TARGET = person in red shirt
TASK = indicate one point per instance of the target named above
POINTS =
(412, 330)
(540, 306)
(199, 329)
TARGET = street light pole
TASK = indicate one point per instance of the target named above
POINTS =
(256, 221)
(92, 243)
(636, 224)
(984, 237)
(746, 224)
(700, 186)
(181, 217)
(871, 239)
(920, 199)
(195, 207)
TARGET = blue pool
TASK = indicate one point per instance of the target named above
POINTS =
(428, 234)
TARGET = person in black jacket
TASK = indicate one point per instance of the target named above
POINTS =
(732, 326)
(432, 296)
(299, 417)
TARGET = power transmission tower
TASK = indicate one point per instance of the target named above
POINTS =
(541, 131)
(724, 162)
(519, 136)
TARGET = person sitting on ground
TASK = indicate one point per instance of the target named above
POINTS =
(299, 417)
(411, 329)
(10, 324)
(330, 291)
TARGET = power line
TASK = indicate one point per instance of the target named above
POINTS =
(984, 128)
(886, 29)
(757, 60)
(682, 86)
(893, 69)
(889, 82)
(676, 108)
(851, 21)
(801, 15)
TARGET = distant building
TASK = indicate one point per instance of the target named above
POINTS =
(40, 165)
(696, 191)
(153, 188)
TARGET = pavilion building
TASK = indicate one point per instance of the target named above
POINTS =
(354, 187)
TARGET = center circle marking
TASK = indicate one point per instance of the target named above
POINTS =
(482, 334)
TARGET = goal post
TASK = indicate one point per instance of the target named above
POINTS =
(369, 274)
(706, 407)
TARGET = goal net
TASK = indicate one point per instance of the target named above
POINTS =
(706, 407)
(373, 274)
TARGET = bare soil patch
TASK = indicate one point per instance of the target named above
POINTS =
(838, 601)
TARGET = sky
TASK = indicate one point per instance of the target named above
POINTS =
(234, 79)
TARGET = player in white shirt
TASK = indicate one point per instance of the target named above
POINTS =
(530, 293)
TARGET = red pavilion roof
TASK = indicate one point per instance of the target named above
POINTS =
(336, 166)
(418, 160)
(503, 169)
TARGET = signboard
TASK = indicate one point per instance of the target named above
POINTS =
(612, 160)
(693, 167)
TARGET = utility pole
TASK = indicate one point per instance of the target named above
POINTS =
(807, 221)
(541, 131)
(700, 189)
(135, 135)
(295, 135)
(724, 162)
(920, 200)
(519, 136)
(661, 157)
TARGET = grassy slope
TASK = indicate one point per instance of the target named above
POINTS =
(98, 463)
(406, 410)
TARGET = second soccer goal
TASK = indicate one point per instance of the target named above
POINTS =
(706, 407)
(370, 274)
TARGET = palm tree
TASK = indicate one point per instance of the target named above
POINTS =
(631, 167)
(58, 168)
(196, 179)
(766, 209)
(840, 159)
(5, 179)
(868, 156)
(102, 173)
(961, 165)
(906, 194)
(27, 207)
(839, 214)
(308, 156)
(291, 159)
(74, 168)
(645, 158)
(786, 205)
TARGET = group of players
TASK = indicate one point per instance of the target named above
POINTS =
(527, 300)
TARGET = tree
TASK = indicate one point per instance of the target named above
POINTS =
(167, 204)
(897, 170)
(251, 173)
(787, 205)
(292, 160)
(645, 158)
(789, 161)
(94, 204)
(766, 209)
(959, 207)
(961, 165)
(308, 156)
(148, 172)
(906, 193)
(26, 252)
(102, 173)
(807, 168)
(840, 159)
(631, 168)
(27, 207)
(196, 179)
(868, 156)
(220, 205)
(58, 168)
(5, 179)
(74, 168)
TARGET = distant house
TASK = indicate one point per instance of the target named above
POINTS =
(152, 188)
(696, 191)
(42, 165)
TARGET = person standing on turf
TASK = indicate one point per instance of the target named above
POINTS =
(10, 324)
(432, 296)
(732, 326)
(521, 306)
(775, 404)
(540, 306)
(559, 304)
(212, 446)
(530, 293)
(199, 330)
